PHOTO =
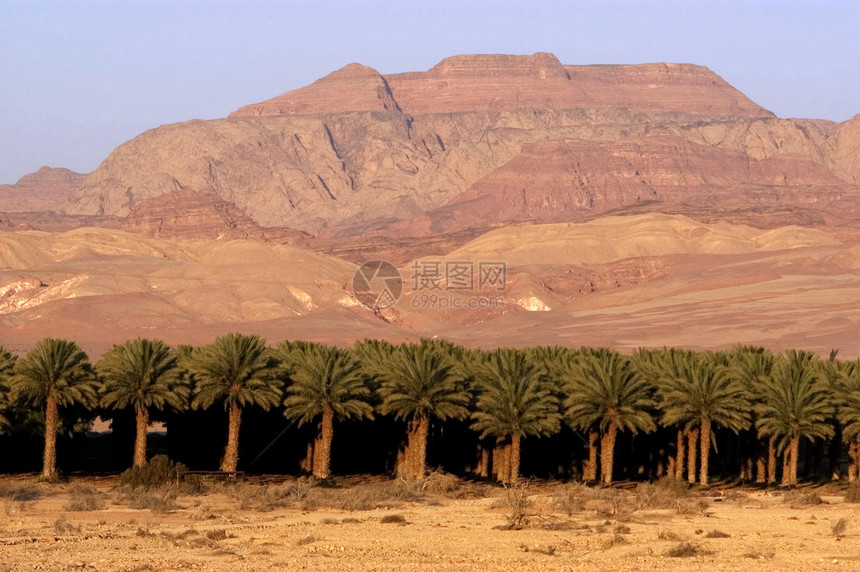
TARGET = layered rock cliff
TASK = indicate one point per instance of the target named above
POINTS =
(479, 140)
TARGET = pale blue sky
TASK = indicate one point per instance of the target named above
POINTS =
(79, 78)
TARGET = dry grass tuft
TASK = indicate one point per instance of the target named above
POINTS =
(838, 528)
(686, 550)
(393, 519)
(84, 498)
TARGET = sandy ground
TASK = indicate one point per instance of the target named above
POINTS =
(211, 532)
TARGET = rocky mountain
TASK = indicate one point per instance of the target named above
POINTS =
(483, 140)
(45, 190)
(495, 82)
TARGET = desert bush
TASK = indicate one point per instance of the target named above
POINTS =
(839, 527)
(759, 554)
(158, 471)
(218, 534)
(517, 503)
(717, 534)
(84, 498)
(667, 493)
(20, 493)
(614, 540)
(63, 527)
(570, 499)
(159, 501)
(686, 550)
(393, 519)
(310, 539)
(800, 499)
(622, 529)
(668, 535)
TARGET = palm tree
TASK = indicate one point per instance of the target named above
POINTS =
(54, 374)
(751, 366)
(418, 383)
(704, 395)
(327, 383)
(849, 418)
(239, 371)
(658, 366)
(141, 374)
(795, 404)
(605, 390)
(7, 365)
(514, 401)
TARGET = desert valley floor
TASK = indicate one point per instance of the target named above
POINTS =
(372, 524)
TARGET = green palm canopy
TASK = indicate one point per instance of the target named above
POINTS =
(55, 373)
(417, 383)
(514, 401)
(238, 371)
(141, 374)
(606, 391)
(326, 383)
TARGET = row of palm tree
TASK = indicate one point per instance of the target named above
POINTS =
(505, 395)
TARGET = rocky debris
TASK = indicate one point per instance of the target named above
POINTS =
(45, 190)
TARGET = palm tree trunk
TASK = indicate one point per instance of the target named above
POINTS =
(307, 464)
(231, 453)
(419, 459)
(705, 452)
(692, 443)
(786, 466)
(679, 456)
(140, 437)
(590, 472)
(771, 460)
(322, 447)
(835, 454)
(514, 471)
(853, 462)
(404, 456)
(607, 453)
(795, 446)
(501, 460)
(483, 461)
(52, 417)
(760, 464)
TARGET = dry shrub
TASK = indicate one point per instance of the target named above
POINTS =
(548, 550)
(839, 527)
(614, 540)
(852, 493)
(667, 493)
(159, 501)
(686, 550)
(84, 498)
(717, 534)
(393, 519)
(217, 534)
(800, 499)
(19, 492)
(518, 505)
(622, 529)
(570, 499)
(668, 535)
(63, 527)
(759, 554)
(305, 540)
(156, 472)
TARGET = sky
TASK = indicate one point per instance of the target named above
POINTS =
(78, 78)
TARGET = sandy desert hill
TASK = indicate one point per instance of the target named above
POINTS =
(632, 205)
